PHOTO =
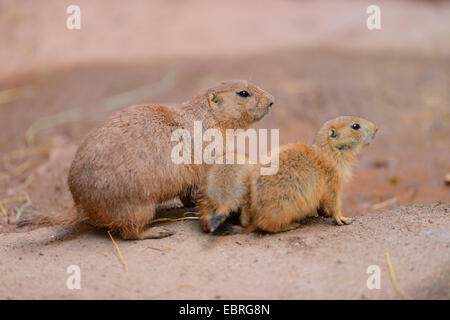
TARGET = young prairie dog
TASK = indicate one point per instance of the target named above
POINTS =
(123, 169)
(224, 191)
(309, 181)
(310, 178)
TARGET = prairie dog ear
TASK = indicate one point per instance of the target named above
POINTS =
(214, 99)
(332, 133)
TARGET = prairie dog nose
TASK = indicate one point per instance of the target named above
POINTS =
(270, 98)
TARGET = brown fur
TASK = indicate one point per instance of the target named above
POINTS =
(309, 178)
(309, 181)
(123, 169)
(224, 190)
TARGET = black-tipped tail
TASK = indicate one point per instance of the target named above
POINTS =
(215, 221)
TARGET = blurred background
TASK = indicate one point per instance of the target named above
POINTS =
(317, 58)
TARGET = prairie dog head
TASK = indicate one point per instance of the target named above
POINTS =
(238, 103)
(346, 135)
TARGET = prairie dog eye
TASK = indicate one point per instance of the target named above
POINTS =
(243, 94)
(355, 126)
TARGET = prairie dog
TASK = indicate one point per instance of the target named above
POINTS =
(123, 169)
(310, 178)
(309, 181)
(223, 191)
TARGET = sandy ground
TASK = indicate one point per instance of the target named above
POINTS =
(318, 260)
(318, 60)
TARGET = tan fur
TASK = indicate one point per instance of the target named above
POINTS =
(309, 178)
(123, 169)
(223, 191)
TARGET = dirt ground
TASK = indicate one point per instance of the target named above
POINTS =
(318, 62)
(318, 261)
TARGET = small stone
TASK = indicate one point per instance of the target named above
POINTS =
(447, 179)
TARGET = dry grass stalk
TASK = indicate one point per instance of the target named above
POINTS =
(153, 248)
(173, 220)
(386, 203)
(183, 285)
(394, 280)
(118, 251)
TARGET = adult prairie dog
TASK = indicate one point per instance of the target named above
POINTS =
(123, 169)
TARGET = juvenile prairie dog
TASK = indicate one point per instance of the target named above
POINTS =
(310, 178)
(309, 181)
(224, 191)
(123, 169)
